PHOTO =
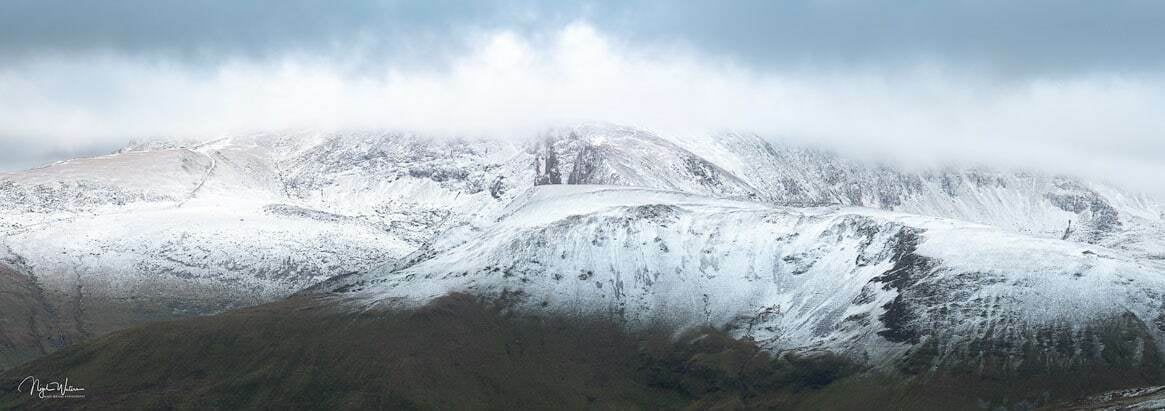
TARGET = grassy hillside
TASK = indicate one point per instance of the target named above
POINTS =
(460, 352)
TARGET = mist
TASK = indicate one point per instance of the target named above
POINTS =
(1100, 124)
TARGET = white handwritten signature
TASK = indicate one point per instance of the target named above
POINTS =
(50, 389)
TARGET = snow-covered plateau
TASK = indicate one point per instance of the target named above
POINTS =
(796, 247)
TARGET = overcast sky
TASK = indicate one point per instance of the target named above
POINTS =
(1063, 86)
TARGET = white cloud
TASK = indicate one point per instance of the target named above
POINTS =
(1100, 125)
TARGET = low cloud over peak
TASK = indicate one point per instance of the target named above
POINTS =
(1035, 85)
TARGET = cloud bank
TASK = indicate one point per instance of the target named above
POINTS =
(1033, 37)
(926, 88)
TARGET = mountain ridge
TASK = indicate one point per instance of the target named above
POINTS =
(162, 231)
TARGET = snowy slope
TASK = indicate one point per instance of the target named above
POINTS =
(163, 229)
(738, 165)
(873, 284)
(159, 231)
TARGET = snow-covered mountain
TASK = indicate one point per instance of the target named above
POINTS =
(161, 230)
(735, 165)
(877, 285)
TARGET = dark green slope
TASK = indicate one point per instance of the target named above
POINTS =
(459, 352)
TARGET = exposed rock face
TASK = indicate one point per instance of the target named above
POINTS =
(546, 166)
